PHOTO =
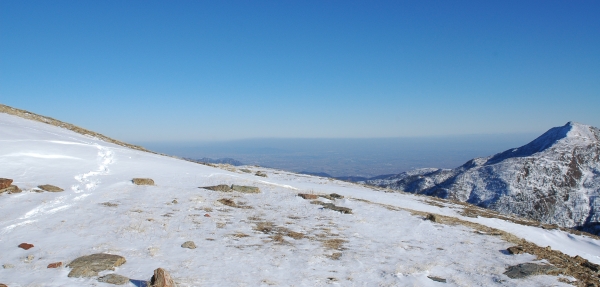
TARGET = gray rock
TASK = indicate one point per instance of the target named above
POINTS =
(437, 279)
(515, 250)
(143, 181)
(260, 173)
(189, 245)
(245, 189)
(433, 217)
(115, 279)
(528, 269)
(90, 265)
(50, 188)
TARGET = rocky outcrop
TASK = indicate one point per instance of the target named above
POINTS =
(50, 188)
(142, 181)
(162, 278)
(554, 179)
(90, 265)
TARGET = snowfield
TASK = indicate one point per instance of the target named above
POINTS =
(273, 238)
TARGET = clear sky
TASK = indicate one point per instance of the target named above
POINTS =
(220, 70)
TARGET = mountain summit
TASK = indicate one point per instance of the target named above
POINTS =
(554, 179)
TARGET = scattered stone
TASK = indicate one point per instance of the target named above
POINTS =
(174, 201)
(161, 278)
(189, 245)
(433, 217)
(5, 182)
(515, 250)
(528, 269)
(260, 173)
(90, 265)
(55, 265)
(8, 266)
(220, 187)
(142, 181)
(26, 246)
(308, 196)
(11, 189)
(114, 279)
(437, 279)
(245, 189)
(228, 202)
(344, 210)
(50, 188)
(207, 215)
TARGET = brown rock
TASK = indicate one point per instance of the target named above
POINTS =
(143, 181)
(3, 285)
(207, 215)
(50, 188)
(5, 182)
(515, 250)
(189, 245)
(90, 265)
(11, 189)
(55, 265)
(161, 278)
(433, 217)
(26, 246)
(245, 189)
(220, 187)
(308, 196)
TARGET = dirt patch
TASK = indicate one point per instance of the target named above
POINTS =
(277, 233)
(335, 244)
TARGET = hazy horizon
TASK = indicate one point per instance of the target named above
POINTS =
(349, 157)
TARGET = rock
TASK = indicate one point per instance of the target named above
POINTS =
(115, 279)
(142, 181)
(245, 189)
(174, 201)
(54, 265)
(29, 258)
(8, 266)
(308, 196)
(228, 202)
(437, 279)
(189, 245)
(161, 278)
(528, 269)
(50, 188)
(433, 217)
(260, 173)
(344, 210)
(207, 215)
(3, 285)
(90, 265)
(220, 187)
(590, 265)
(11, 189)
(245, 170)
(5, 182)
(26, 246)
(515, 250)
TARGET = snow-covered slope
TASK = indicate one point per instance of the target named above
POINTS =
(554, 179)
(270, 238)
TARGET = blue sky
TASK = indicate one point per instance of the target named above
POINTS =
(217, 70)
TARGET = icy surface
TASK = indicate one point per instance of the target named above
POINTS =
(102, 211)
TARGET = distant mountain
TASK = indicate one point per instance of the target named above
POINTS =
(554, 179)
(220, 161)
(346, 178)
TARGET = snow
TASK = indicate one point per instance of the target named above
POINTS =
(102, 211)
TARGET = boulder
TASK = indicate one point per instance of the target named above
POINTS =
(245, 189)
(3, 285)
(142, 181)
(308, 196)
(54, 265)
(161, 278)
(50, 188)
(11, 189)
(114, 279)
(515, 250)
(90, 265)
(5, 182)
(528, 269)
(189, 245)
(26, 246)
(220, 187)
